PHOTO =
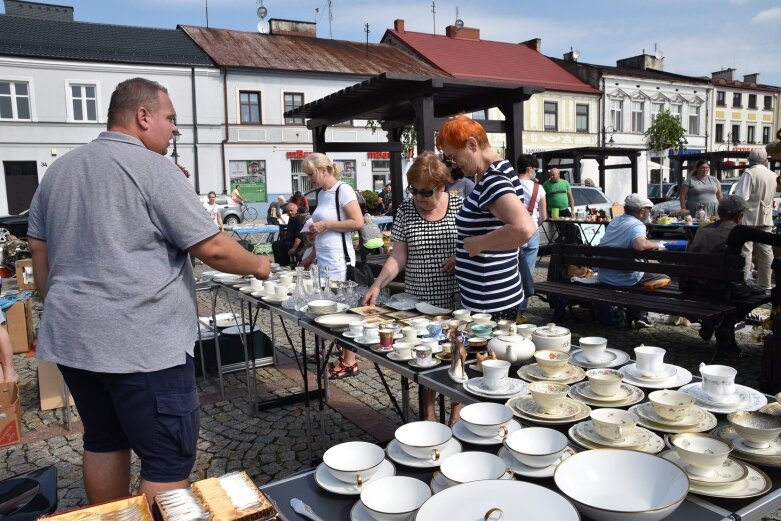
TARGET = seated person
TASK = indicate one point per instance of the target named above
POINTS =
(290, 239)
(628, 231)
(7, 372)
(371, 235)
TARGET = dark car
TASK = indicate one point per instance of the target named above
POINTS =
(658, 193)
(13, 225)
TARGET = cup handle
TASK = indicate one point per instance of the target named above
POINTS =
(439, 478)
(435, 455)
(359, 480)
(495, 514)
(667, 442)
(503, 431)
(509, 470)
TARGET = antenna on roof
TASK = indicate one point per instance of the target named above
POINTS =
(459, 21)
(434, 13)
(317, 13)
(658, 52)
(207, 14)
(330, 19)
(262, 24)
(366, 30)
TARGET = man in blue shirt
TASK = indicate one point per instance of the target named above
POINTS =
(628, 231)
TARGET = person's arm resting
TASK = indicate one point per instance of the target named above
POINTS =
(40, 254)
(222, 253)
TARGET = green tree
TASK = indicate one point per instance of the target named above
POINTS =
(409, 137)
(666, 133)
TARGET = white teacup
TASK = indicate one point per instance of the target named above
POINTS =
(394, 498)
(536, 447)
(280, 292)
(371, 332)
(353, 462)
(402, 349)
(548, 395)
(462, 314)
(487, 419)
(269, 287)
(613, 424)
(419, 323)
(256, 284)
(481, 318)
(495, 373)
(604, 382)
(356, 327)
(470, 466)
(423, 355)
(286, 279)
(703, 452)
(718, 381)
(410, 333)
(650, 360)
(423, 439)
(671, 405)
(593, 348)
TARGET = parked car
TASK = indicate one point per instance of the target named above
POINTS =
(584, 196)
(13, 225)
(230, 211)
(658, 193)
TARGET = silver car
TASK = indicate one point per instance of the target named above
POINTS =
(584, 196)
(230, 211)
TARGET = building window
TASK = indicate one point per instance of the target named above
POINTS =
(250, 107)
(694, 119)
(14, 100)
(752, 101)
(637, 116)
(656, 108)
(616, 107)
(750, 133)
(480, 115)
(735, 134)
(84, 103)
(381, 165)
(551, 121)
(293, 100)
(768, 103)
(765, 135)
(719, 133)
(581, 118)
(737, 100)
(721, 98)
(675, 110)
(296, 166)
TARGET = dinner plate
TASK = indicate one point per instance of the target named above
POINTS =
(339, 309)
(462, 433)
(681, 377)
(756, 483)
(519, 469)
(668, 371)
(751, 399)
(336, 320)
(695, 416)
(731, 471)
(515, 404)
(397, 454)
(428, 309)
(514, 387)
(634, 440)
(709, 421)
(654, 445)
(329, 482)
(636, 395)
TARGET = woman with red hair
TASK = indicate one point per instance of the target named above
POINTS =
(492, 223)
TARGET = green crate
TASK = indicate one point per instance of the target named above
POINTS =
(263, 248)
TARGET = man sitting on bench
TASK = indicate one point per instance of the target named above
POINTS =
(628, 231)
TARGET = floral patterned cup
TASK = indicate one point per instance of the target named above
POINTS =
(718, 381)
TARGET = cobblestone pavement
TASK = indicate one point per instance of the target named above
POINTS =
(272, 444)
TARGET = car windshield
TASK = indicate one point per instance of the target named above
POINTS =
(586, 196)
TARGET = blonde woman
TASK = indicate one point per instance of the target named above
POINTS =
(337, 215)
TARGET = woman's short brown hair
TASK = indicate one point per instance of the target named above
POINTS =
(428, 168)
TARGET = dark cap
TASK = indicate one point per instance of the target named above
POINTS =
(731, 205)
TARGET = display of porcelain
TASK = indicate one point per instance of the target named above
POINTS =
(487, 419)
(497, 499)
(407, 497)
(731, 471)
(461, 432)
(551, 362)
(536, 447)
(603, 488)
(327, 481)
(397, 454)
(520, 469)
(594, 348)
(423, 439)
(472, 466)
(512, 348)
(612, 358)
(672, 406)
(552, 338)
(756, 428)
(702, 452)
(353, 461)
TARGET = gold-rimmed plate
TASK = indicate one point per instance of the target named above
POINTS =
(634, 440)
(654, 446)
(570, 375)
(731, 471)
(707, 423)
(515, 405)
(756, 483)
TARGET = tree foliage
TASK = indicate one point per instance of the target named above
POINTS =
(409, 136)
(666, 132)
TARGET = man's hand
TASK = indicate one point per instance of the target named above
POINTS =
(370, 297)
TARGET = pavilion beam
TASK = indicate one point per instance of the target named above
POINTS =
(513, 115)
(424, 122)
(360, 147)
(601, 166)
(576, 169)
(635, 180)
(318, 138)
(397, 182)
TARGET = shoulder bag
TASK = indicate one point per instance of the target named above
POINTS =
(361, 272)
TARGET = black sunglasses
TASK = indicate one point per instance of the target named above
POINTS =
(448, 161)
(422, 193)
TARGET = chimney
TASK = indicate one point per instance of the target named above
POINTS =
(571, 56)
(642, 62)
(58, 13)
(751, 78)
(534, 44)
(293, 28)
(724, 74)
(398, 25)
(465, 33)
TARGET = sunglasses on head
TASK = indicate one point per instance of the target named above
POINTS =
(448, 161)
(422, 193)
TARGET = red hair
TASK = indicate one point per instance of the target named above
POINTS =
(456, 130)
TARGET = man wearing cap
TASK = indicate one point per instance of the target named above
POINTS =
(628, 231)
(713, 238)
(757, 186)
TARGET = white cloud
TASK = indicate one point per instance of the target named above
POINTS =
(768, 15)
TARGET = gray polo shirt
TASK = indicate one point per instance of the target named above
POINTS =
(118, 220)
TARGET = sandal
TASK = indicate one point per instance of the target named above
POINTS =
(338, 370)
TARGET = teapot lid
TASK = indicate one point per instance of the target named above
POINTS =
(551, 330)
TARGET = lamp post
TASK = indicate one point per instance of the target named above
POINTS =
(605, 131)
(175, 154)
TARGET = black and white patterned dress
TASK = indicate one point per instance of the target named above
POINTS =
(429, 244)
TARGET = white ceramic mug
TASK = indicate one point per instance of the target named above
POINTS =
(650, 360)
(256, 284)
(280, 292)
(613, 424)
(356, 327)
(268, 287)
(718, 381)
(495, 373)
(423, 355)
(286, 279)
(371, 332)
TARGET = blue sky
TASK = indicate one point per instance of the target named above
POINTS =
(696, 36)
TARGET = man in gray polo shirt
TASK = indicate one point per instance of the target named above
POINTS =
(120, 315)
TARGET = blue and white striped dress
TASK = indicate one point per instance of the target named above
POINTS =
(489, 282)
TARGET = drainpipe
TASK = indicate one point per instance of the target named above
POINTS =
(227, 128)
(600, 120)
(195, 132)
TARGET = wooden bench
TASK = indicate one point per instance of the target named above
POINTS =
(718, 313)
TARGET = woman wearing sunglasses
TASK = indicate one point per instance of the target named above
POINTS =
(492, 223)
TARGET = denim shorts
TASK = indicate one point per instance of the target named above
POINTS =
(155, 414)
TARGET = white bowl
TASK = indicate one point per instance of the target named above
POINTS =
(671, 405)
(757, 429)
(472, 466)
(395, 498)
(613, 485)
(423, 439)
(354, 461)
(703, 452)
(486, 419)
(536, 447)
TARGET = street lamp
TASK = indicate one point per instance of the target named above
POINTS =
(176, 135)
(605, 131)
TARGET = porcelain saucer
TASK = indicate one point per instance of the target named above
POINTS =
(366, 342)
(637, 438)
(350, 334)
(655, 443)
(359, 512)
(751, 399)
(274, 300)
(462, 433)
(584, 389)
(438, 486)
(246, 289)
(397, 454)
(568, 409)
(695, 416)
(514, 387)
(728, 432)
(520, 469)
(508, 386)
(434, 362)
(516, 404)
(668, 371)
(756, 483)
(259, 294)
(681, 377)
(635, 395)
(619, 358)
(396, 358)
(570, 375)
(327, 481)
(709, 421)
(731, 471)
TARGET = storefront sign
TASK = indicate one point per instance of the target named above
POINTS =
(250, 178)
(297, 154)
(378, 155)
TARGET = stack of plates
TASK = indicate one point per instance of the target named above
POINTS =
(527, 409)
(510, 387)
(670, 377)
(627, 395)
(610, 358)
(733, 479)
(698, 420)
(570, 374)
(770, 457)
(641, 439)
(321, 307)
(744, 399)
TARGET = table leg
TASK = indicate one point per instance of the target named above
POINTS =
(217, 343)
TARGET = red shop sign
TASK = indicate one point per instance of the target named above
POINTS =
(378, 155)
(297, 154)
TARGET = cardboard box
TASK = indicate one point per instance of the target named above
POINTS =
(19, 323)
(10, 413)
(103, 510)
(51, 386)
(24, 274)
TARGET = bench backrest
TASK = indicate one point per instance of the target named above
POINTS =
(719, 268)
